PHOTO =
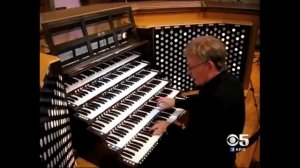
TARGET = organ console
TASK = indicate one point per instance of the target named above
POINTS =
(113, 72)
(109, 87)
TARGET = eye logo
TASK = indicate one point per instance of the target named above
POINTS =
(232, 140)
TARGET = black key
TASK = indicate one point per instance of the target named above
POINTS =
(73, 97)
(103, 66)
(130, 66)
(105, 80)
(135, 63)
(78, 94)
(167, 91)
(99, 100)
(146, 134)
(123, 69)
(141, 114)
(140, 139)
(150, 85)
(155, 98)
(115, 91)
(171, 111)
(126, 151)
(145, 89)
(140, 93)
(139, 76)
(136, 118)
(123, 130)
(118, 134)
(111, 113)
(155, 82)
(130, 126)
(95, 69)
(121, 87)
(94, 104)
(111, 76)
(127, 83)
(132, 148)
(159, 118)
(126, 126)
(68, 80)
(128, 102)
(90, 107)
(97, 126)
(114, 138)
(116, 59)
(134, 145)
(147, 108)
(115, 112)
(88, 72)
(121, 107)
(154, 104)
(108, 96)
(90, 89)
(97, 123)
(118, 73)
(137, 143)
(97, 84)
(133, 79)
(144, 73)
(134, 97)
(132, 120)
(126, 155)
(162, 95)
(110, 62)
(111, 140)
(108, 116)
(103, 120)
(165, 114)
(84, 111)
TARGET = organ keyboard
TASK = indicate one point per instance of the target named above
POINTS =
(102, 83)
(79, 80)
(140, 145)
(114, 96)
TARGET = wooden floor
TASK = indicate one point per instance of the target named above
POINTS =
(252, 153)
(244, 158)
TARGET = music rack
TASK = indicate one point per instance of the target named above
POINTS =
(88, 40)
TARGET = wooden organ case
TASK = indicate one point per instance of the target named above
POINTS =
(111, 90)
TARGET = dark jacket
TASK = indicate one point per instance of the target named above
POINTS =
(216, 112)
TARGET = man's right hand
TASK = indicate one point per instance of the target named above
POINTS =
(165, 103)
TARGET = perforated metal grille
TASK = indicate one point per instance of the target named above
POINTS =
(169, 43)
(56, 149)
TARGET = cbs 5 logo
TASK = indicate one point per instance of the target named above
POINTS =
(242, 140)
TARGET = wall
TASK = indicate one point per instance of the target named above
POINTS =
(67, 3)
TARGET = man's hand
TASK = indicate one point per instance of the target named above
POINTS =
(160, 127)
(165, 103)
